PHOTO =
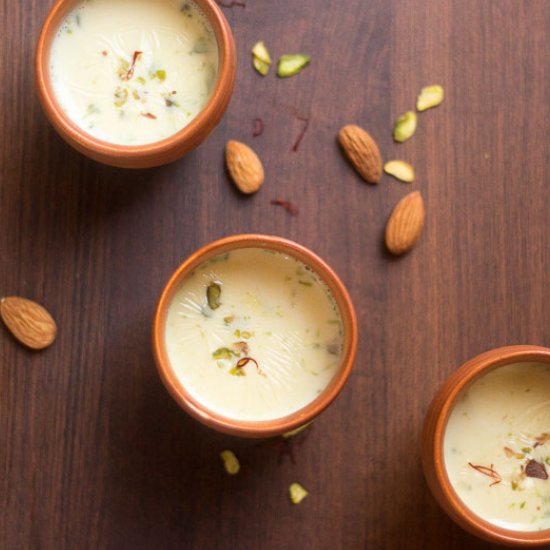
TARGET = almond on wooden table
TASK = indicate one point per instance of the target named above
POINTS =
(244, 166)
(362, 152)
(28, 321)
(405, 224)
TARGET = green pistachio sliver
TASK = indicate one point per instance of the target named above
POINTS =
(260, 52)
(291, 64)
(404, 127)
(236, 371)
(261, 66)
(230, 462)
(297, 493)
(296, 431)
(430, 96)
(160, 74)
(400, 169)
(222, 353)
(213, 293)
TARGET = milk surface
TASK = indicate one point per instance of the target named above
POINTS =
(502, 422)
(273, 310)
(132, 72)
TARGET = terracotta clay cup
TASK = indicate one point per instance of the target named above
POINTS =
(265, 428)
(433, 438)
(150, 154)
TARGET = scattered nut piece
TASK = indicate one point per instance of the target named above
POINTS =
(291, 64)
(405, 224)
(430, 96)
(230, 462)
(261, 58)
(244, 166)
(297, 493)
(362, 151)
(296, 431)
(28, 321)
(405, 127)
(400, 169)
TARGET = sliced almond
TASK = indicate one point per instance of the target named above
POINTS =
(244, 166)
(400, 169)
(28, 321)
(430, 96)
(362, 152)
(405, 224)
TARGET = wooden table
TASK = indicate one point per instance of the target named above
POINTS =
(93, 451)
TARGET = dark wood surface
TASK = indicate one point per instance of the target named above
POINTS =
(93, 451)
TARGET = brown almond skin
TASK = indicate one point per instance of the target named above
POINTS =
(28, 321)
(405, 224)
(244, 166)
(362, 152)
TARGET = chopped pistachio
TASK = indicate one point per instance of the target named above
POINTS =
(296, 431)
(141, 80)
(121, 96)
(213, 293)
(260, 52)
(261, 60)
(297, 493)
(237, 333)
(160, 74)
(230, 462)
(291, 64)
(236, 371)
(261, 66)
(239, 348)
(222, 353)
(229, 319)
(547, 460)
(306, 283)
(522, 505)
(400, 169)
(526, 450)
(405, 127)
(430, 96)
(246, 335)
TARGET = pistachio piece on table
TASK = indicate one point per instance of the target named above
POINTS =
(261, 60)
(430, 96)
(400, 169)
(405, 127)
(230, 462)
(291, 64)
(297, 493)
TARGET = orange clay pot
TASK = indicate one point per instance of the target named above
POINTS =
(433, 438)
(265, 428)
(150, 154)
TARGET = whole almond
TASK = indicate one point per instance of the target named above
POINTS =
(28, 321)
(244, 166)
(362, 151)
(405, 224)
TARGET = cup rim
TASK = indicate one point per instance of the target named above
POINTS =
(467, 374)
(212, 111)
(271, 427)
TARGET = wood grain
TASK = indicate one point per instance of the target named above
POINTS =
(95, 454)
